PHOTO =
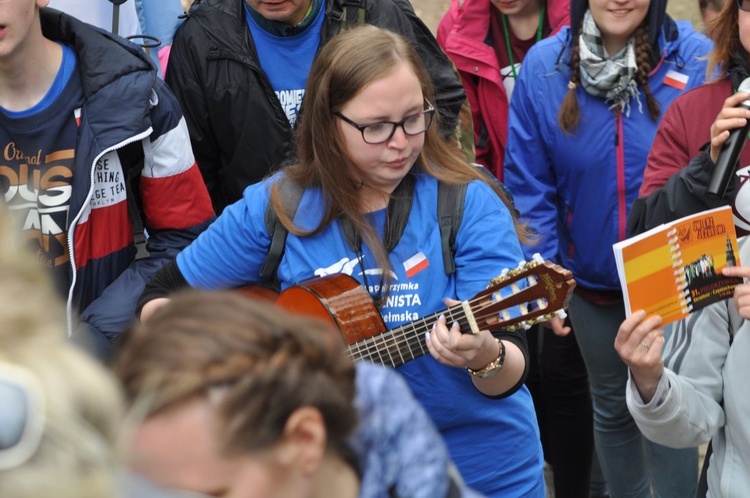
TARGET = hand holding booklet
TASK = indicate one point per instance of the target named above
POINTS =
(675, 268)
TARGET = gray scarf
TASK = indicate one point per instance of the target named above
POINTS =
(613, 78)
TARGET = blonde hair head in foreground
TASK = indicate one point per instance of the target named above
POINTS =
(79, 400)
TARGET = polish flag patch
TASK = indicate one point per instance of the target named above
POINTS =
(416, 264)
(676, 80)
(77, 115)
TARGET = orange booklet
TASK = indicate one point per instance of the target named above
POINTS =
(675, 268)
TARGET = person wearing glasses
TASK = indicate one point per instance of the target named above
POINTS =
(369, 159)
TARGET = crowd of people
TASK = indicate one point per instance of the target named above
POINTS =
(265, 144)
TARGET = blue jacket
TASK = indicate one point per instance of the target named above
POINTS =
(576, 190)
(124, 102)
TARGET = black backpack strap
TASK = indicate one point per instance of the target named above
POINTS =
(354, 14)
(291, 194)
(131, 159)
(345, 14)
(450, 206)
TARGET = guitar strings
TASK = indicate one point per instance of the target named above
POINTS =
(401, 337)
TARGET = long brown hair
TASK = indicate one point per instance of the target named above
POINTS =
(348, 63)
(265, 363)
(726, 36)
(569, 113)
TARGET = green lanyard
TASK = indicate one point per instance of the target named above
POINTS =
(507, 37)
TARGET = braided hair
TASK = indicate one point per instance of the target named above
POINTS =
(569, 113)
(643, 59)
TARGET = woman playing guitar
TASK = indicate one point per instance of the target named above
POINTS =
(369, 163)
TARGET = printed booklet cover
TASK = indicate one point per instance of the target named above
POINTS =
(675, 268)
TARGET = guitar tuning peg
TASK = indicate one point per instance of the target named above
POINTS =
(561, 314)
(537, 258)
(499, 279)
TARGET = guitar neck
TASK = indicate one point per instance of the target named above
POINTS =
(405, 343)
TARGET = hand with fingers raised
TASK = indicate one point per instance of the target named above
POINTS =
(639, 343)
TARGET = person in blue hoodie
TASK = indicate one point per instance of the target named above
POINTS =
(584, 113)
(273, 408)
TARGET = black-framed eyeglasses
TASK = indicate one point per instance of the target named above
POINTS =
(743, 5)
(21, 415)
(381, 132)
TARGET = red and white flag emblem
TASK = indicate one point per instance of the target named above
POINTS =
(675, 79)
(415, 264)
(77, 115)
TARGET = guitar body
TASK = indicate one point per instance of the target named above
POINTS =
(339, 300)
(343, 302)
(258, 292)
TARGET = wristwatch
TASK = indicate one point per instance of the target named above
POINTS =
(492, 367)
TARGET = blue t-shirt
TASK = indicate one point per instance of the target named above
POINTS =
(494, 442)
(36, 171)
(287, 60)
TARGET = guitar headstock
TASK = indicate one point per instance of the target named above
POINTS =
(533, 292)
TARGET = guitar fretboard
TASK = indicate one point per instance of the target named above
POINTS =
(397, 346)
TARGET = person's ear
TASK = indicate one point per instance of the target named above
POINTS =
(303, 442)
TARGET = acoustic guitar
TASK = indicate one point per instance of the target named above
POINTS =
(343, 302)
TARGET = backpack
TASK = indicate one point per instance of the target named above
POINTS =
(450, 213)
(450, 208)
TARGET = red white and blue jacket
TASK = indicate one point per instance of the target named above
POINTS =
(576, 190)
(124, 102)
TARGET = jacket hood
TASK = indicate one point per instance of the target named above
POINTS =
(558, 13)
(657, 16)
(117, 77)
(97, 50)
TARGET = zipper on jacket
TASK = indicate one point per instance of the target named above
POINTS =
(620, 171)
(74, 223)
